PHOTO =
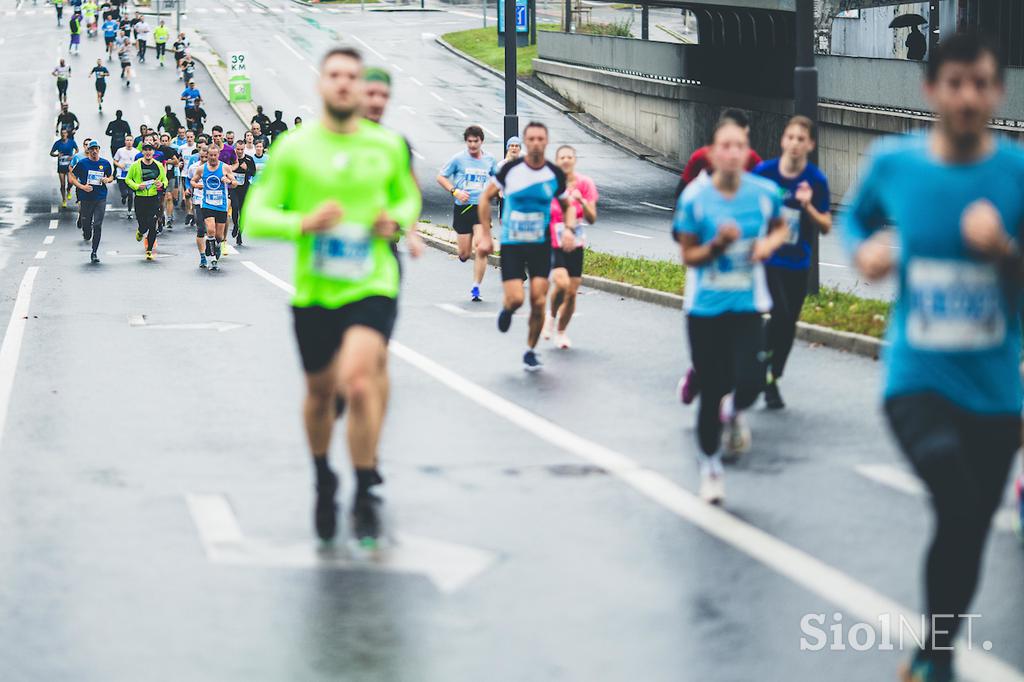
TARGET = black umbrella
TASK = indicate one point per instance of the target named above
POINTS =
(905, 20)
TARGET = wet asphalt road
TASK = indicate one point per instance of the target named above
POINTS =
(598, 565)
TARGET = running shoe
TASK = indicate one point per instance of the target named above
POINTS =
(138, 236)
(735, 434)
(213, 264)
(531, 363)
(549, 326)
(149, 255)
(712, 480)
(504, 320)
(129, 215)
(474, 295)
(687, 387)
(94, 258)
(325, 511)
(63, 203)
(238, 239)
(563, 341)
(366, 525)
(772, 397)
(202, 260)
(86, 236)
(234, 230)
(924, 670)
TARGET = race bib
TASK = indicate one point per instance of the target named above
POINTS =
(215, 199)
(733, 270)
(64, 160)
(526, 227)
(197, 196)
(94, 177)
(954, 306)
(122, 173)
(792, 218)
(475, 179)
(344, 253)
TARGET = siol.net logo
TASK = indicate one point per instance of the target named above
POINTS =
(889, 633)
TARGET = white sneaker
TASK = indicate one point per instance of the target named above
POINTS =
(712, 481)
(563, 341)
(736, 436)
(549, 326)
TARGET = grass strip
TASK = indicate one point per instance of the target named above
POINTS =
(482, 44)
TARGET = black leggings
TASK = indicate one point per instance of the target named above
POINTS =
(62, 88)
(127, 195)
(964, 460)
(145, 212)
(726, 355)
(237, 199)
(788, 289)
(160, 47)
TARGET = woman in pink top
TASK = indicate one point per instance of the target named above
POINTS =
(567, 270)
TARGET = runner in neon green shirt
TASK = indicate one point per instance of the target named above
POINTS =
(343, 191)
(160, 35)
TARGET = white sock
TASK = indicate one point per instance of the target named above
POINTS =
(476, 284)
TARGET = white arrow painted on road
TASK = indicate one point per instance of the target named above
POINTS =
(140, 321)
(448, 566)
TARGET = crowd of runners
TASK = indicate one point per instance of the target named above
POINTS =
(344, 191)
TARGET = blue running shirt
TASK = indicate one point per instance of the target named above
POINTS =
(470, 174)
(215, 191)
(796, 255)
(528, 193)
(731, 283)
(955, 326)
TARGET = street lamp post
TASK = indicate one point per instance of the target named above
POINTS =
(805, 95)
(511, 113)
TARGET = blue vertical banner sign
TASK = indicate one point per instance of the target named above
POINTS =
(522, 16)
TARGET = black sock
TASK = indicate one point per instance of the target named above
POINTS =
(323, 468)
(366, 479)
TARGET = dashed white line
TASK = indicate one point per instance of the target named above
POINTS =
(490, 132)
(418, 155)
(314, 10)
(220, 10)
(416, 81)
(630, 234)
(369, 47)
(48, 240)
(258, 10)
(289, 47)
(459, 112)
(398, 68)
(11, 347)
(832, 265)
(436, 96)
(201, 10)
(276, 10)
(40, 255)
(142, 105)
(657, 206)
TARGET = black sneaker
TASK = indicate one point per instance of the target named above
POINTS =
(531, 363)
(366, 526)
(234, 230)
(94, 258)
(86, 236)
(772, 397)
(504, 320)
(325, 512)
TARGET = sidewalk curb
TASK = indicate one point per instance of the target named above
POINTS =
(210, 60)
(857, 344)
(529, 90)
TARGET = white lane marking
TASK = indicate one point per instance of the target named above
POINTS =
(53, 209)
(220, 10)
(147, 120)
(48, 240)
(814, 575)
(460, 113)
(418, 155)
(436, 96)
(452, 308)
(630, 234)
(407, 108)
(305, 107)
(832, 265)
(201, 10)
(490, 132)
(907, 483)
(142, 104)
(10, 12)
(416, 81)
(289, 47)
(140, 321)
(313, 69)
(275, 10)
(11, 347)
(40, 255)
(53, 223)
(258, 10)
(314, 10)
(369, 47)
(397, 68)
(273, 279)
(657, 206)
(446, 565)
(137, 88)
(30, 12)
(271, 71)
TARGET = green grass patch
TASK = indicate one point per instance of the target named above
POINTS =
(661, 275)
(846, 312)
(482, 44)
(621, 29)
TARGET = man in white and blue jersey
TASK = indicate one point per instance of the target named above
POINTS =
(464, 177)
(952, 391)
(528, 184)
(726, 229)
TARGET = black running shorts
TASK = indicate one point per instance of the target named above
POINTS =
(464, 218)
(219, 217)
(572, 261)
(519, 259)
(320, 331)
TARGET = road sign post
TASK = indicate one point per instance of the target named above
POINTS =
(239, 85)
(507, 16)
(805, 95)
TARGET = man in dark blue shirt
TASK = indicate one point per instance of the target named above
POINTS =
(806, 207)
(63, 150)
(91, 176)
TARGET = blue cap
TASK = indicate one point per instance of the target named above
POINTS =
(513, 140)
(93, 144)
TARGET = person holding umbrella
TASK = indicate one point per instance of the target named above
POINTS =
(916, 43)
